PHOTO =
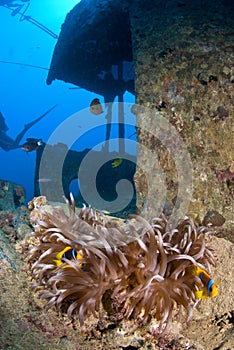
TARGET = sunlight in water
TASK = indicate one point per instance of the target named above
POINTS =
(54, 9)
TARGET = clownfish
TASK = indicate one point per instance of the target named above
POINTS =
(68, 253)
(210, 287)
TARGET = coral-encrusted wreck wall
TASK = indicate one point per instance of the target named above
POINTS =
(184, 71)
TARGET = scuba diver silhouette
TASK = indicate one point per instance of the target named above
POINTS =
(13, 3)
(15, 6)
(6, 142)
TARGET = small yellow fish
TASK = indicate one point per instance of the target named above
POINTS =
(106, 212)
(68, 253)
(96, 107)
(210, 287)
(116, 162)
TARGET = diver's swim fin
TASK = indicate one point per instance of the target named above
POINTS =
(29, 125)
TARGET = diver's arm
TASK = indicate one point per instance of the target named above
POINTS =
(7, 143)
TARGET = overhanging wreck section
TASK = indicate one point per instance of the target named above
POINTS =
(94, 49)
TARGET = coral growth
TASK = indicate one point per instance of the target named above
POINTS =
(139, 270)
(6, 218)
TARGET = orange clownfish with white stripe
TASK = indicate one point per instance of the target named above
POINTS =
(68, 253)
(210, 287)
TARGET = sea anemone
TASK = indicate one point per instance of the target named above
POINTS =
(142, 267)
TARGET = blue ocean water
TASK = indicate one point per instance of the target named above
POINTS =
(25, 56)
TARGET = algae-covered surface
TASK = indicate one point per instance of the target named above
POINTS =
(184, 68)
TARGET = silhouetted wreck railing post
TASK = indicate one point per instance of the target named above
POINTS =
(121, 111)
(108, 126)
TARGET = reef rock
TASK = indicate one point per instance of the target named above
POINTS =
(11, 195)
